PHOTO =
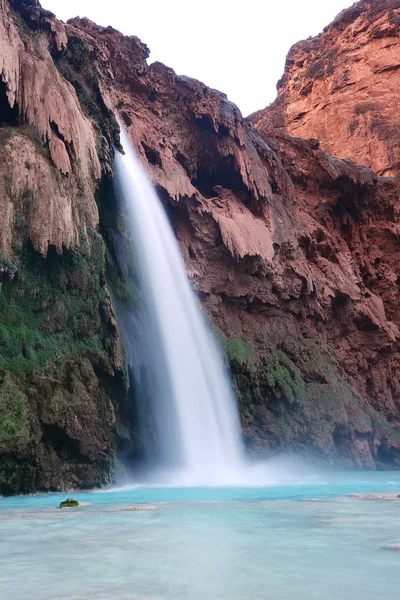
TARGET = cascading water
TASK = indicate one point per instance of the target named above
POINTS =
(196, 422)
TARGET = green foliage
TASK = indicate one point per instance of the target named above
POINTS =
(14, 421)
(78, 66)
(7, 266)
(124, 290)
(51, 311)
(26, 193)
(116, 133)
(22, 25)
(236, 350)
(6, 134)
(282, 377)
(16, 476)
(81, 189)
(69, 503)
(31, 133)
(120, 258)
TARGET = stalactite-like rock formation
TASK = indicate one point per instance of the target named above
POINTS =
(293, 253)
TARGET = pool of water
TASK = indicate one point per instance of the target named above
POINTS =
(309, 540)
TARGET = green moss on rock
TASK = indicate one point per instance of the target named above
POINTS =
(295, 398)
(57, 380)
(69, 503)
(52, 310)
(14, 415)
(236, 350)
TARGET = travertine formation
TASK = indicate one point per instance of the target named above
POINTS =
(60, 363)
(38, 96)
(294, 254)
(342, 87)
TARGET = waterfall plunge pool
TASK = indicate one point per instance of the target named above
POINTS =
(307, 540)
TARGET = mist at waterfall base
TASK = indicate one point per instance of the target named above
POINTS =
(186, 407)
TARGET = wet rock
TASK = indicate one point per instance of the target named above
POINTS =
(293, 253)
(69, 503)
(276, 236)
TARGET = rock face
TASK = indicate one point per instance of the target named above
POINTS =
(61, 374)
(32, 90)
(342, 87)
(294, 255)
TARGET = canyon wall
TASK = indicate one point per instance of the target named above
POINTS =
(294, 255)
(292, 252)
(62, 386)
(342, 87)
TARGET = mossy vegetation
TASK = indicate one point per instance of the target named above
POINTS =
(16, 475)
(52, 309)
(295, 396)
(55, 349)
(236, 350)
(24, 29)
(120, 265)
(282, 377)
(7, 267)
(14, 415)
(30, 132)
(53, 314)
(69, 503)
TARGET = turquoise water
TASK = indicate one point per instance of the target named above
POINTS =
(305, 541)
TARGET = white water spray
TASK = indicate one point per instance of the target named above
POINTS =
(197, 426)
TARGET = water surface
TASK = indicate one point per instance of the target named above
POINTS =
(306, 541)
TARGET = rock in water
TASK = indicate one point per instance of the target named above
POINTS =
(69, 503)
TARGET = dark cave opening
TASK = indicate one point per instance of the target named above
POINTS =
(223, 173)
(56, 438)
(387, 456)
(223, 130)
(8, 115)
(153, 156)
(339, 305)
(348, 203)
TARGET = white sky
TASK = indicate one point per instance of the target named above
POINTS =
(236, 46)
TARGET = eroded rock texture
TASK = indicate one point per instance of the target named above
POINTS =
(61, 375)
(294, 255)
(33, 93)
(342, 87)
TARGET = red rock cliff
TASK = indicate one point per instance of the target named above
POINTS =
(294, 255)
(342, 87)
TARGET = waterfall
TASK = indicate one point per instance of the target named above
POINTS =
(194, 414)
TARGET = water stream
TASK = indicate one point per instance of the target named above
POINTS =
(194, 413)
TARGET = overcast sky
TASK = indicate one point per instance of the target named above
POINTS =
(238, 47)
